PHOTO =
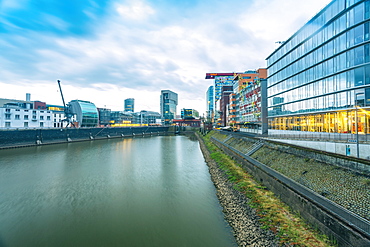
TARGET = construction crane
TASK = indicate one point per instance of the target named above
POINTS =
(67, 109)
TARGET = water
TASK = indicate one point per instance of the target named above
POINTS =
(121, 192)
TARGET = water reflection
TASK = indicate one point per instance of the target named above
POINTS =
(119, 192)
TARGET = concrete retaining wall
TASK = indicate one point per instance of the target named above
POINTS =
(24, 137)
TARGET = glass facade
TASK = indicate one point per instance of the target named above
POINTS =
(129, 104)
(210, 102)
(168, 102)
(86, 113)
(320, 77)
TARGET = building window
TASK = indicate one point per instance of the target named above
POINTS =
(17, 110)
(42, 111)
(17, 117)
(41, 117)
(7, 116)
(41, 124)
(25, 124)
(7, 124)
(25, 117)
(48, 118)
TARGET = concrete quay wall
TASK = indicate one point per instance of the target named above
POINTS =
(28, 137)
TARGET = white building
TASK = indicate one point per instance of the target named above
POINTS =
(15, 117)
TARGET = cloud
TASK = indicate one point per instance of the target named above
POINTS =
(136, 10)
(136, 48)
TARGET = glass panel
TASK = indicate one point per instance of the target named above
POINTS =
(358, 33)
(359, 55)
(359, 76)
(359, 13)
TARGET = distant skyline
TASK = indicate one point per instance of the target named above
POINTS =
(108, 51)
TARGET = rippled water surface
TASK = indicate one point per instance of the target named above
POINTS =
(121, 192)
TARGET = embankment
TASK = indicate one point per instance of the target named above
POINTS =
(30, 137)
(241, 217)
(331, 197)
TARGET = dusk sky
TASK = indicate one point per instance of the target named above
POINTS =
(105, 51)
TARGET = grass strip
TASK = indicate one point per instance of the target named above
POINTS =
(276, 216)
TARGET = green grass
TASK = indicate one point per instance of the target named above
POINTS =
(289, 227)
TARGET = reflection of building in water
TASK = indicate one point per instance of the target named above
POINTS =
(320, 75)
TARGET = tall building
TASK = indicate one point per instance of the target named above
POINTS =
(210, 102)
(319, 79)
(129, 104)
(86, 113)
(220, 80)
(226, 91)
(247, 88)
(168, 101)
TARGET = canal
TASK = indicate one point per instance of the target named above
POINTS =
(153, 191)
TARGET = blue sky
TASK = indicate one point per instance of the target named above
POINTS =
(106, 51)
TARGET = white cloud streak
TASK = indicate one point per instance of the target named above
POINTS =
(136, 52)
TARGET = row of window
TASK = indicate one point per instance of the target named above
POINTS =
(34, 112)
(25, 124)
(348, 99)
(334, 122)
(25, 117)
(354, 78)
(352, 17)
(355, 56)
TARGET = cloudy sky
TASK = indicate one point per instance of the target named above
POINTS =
(105, 51)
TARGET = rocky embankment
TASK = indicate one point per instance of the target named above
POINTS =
(344, 187)
(347, 188)
(242, 218)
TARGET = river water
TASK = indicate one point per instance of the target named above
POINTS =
(153, 191)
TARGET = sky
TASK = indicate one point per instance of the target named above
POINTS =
(105, 51)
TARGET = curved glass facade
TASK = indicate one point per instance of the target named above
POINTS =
(86, 112)
(321, 75)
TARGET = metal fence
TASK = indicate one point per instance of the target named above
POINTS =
(355, 221)
(322, 136)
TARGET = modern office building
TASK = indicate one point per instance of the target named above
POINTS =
(149, 118)
(220, 80)
(168, 104)
(129, 104)
(86, 113)
(189, 114)
(210, 101)
(319, 79)
(226, 91)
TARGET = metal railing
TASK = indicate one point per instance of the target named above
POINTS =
(355, 221)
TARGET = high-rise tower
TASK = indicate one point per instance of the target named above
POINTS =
(169, 101)
(129, 104)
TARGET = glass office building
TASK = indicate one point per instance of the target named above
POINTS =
(210, 102)
(129, 104)
(86, 113)
(319, 79)
(169, 101)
